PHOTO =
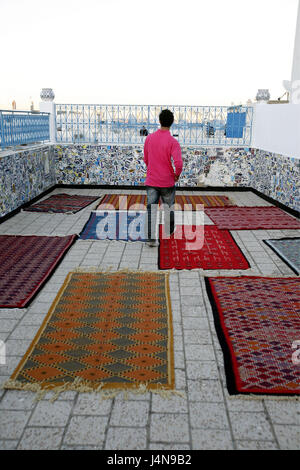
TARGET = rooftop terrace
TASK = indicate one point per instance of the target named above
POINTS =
(205, 416)
(213, 351)
(249, 154)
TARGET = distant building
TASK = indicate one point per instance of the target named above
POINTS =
(14, 105)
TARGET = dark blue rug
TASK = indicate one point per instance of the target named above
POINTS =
(126, 226)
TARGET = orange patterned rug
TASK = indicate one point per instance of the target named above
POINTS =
(103, 330)
(139, 202)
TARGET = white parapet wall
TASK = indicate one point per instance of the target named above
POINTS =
(49, 107)
(276, 128)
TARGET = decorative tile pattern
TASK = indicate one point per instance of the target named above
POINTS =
(272, 174)
(277, 176)
(100, 164)
(24, 175)
(124, 165)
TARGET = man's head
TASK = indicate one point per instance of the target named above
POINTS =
(166, 118)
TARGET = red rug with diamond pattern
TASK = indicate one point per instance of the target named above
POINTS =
(251, 218)
(258, 322)
(25, 264)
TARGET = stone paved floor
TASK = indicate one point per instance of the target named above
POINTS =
(206, 418)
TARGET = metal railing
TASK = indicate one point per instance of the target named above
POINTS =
(23, 127)
(129, 124)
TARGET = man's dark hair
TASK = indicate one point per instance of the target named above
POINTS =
(166, 118)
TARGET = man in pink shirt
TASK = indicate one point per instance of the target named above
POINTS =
(159, 150)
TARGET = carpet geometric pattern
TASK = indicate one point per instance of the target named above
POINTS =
(252, 218)
(115, 226)
(25, 264)
(288, 249)
(113, 329)
(124, 202)
(207, 201)
(62, 203)
(257, 320)
(219, 250)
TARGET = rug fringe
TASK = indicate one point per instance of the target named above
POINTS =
(79, 385)
(110, 270)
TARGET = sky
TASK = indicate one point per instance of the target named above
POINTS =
(179, 52)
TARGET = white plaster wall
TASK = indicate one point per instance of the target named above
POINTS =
(296, 60)
(276, 128)
(49, 107)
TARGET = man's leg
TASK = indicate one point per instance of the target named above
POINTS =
(168, 198)
(152, 201)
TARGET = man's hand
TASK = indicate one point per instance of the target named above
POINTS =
(176, 178)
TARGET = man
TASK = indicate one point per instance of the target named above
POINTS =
(159, 150)
(144, 131)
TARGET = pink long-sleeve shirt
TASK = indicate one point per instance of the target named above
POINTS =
(159, 148)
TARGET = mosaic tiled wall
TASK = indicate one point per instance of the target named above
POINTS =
(272, 174)
(24, 175)
(28, 173)
(99, 164)
(117, 165)
(277, 176)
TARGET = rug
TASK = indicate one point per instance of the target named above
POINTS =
(116, 225)
(103, 330)
(252, 218)
(26, 262)
(62, 203)
(123, 202)
(139, 202)
(257, 322)
(219, 250)
(207, 201)
(288, 249)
